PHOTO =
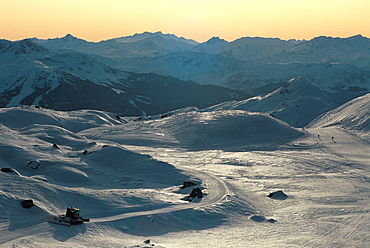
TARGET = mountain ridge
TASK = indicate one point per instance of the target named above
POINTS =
(353, 115)
(71, 80)
(297, 102)
(277, 59)
(33, 68)
(343, 63)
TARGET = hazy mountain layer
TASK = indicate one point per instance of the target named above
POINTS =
(254, 65)
(32, 74)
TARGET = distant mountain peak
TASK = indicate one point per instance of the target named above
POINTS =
(299, 80)
(69, 37)
(215, 40)
(359, 40)
(301, 85)
(326, 43)
(358, 36)
(148, 35)
(27, 46)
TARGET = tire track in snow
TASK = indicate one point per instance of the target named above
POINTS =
(217, 192)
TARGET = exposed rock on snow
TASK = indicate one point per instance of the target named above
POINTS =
(34, 164)
(27, 203)
(259, 218)
(6, 170)
(187, 184)
(278, 195)
(196, 192)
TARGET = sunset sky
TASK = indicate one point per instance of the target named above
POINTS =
(96, 20)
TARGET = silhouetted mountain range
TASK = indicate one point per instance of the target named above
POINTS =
(152, 73)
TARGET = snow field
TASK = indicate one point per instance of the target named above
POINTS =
(128, 181)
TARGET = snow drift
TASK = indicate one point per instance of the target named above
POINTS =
(219, 129)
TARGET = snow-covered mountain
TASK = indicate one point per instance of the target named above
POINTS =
(126, 175)
(353, 115)
(353, 50)
(246, 48)
(138, 45)
(217, 129)
(23, 47)
(32, 74)
(254, 65)
(148, 35)
(249, 76)
(297, 102)
(122, 75)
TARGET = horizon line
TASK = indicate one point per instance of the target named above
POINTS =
(182, 37)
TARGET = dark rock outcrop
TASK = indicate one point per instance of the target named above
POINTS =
(278, 195)
(6, 170)
(27, 203)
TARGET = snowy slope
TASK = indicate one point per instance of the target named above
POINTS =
(249, 63)
(354, 115)
(108, 169)
(215, 130)
(27, 140)
(297, 102)
(210, 130)
(353, 50)
(246, 48)
(32, 74)
(128, 181)
(249, 76)
(125, 172)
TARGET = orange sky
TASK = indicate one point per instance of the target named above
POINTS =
(96, 20)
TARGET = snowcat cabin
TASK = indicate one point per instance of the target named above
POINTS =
(73, 213)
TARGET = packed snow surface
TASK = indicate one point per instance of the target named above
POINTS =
(125, 175)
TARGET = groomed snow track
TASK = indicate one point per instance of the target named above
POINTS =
(217, 192)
